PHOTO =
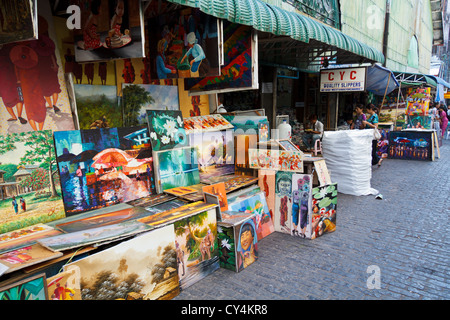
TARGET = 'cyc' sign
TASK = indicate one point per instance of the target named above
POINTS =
(343, 80)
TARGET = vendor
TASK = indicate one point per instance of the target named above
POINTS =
(220, 107)
(310, 137)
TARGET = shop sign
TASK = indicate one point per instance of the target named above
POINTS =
(343, 80)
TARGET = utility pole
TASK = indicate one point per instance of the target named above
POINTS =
(386, 30)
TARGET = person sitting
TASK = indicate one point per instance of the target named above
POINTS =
(310, 137)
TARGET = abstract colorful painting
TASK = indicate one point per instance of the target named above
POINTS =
(166, 129)
(30, 190)
(236, 72)
(411, 145)
(32, 87)
(418, 101)
(218, 190)
(18, 21)
(324, 206)
(65, 285)
(137, 99)
(183, 43)
(97, 106)
(301, 205)
(32, 288)
(279, 160)
(176, 168)
(215, 153)
(256, 204)
(196, 247)
(144, 268)
(102, 167)
(283, 202)
(202, 124)
(109, 30)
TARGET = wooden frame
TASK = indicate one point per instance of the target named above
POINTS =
(287, 145)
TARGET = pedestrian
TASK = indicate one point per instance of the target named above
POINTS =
(23, 204)
(372, 123)
(15, 205)
(310, 138)
(443, 120)
(360, 117)
(433, 114)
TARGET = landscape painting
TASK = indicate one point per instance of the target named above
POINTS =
(30, 190)
(143, 268)
(138, 98)
(196, 247)
(103, 167)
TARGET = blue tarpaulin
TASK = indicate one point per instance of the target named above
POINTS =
(380, 81)
(441, 83)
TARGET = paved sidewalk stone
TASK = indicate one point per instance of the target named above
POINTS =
(406, 235)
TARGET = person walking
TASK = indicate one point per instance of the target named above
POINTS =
(443, 120)
(372, 123)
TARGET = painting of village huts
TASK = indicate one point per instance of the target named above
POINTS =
(30, 191)
(103, 167)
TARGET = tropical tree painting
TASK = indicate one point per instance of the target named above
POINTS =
(34, 288)
(30, 186)
(324, 206)
(196, 247)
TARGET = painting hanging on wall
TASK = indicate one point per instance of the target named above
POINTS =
(102, 167)
(196, 247)
(97, 106)
(324, 206)
(215, 153)
(30, 191)
(411, 145)
(109, 30)
(176, 168)
(32, 288)
(301, 205)
(143, 268)
(137, 99)
(183, 43)
(32, 87)
(283, 201)
(18, 21)
(167, 129)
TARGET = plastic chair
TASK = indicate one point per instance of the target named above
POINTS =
(317, 147)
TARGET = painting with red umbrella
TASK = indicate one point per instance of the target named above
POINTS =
(104, 167)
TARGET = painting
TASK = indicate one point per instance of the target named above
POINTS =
(137, 99)
(102, 167)
(246, 242)
(411, 145)
(151, 200)
(239, 182)
(288, 145)
(255, 204)
(32, 86)
(301, 205)
(30, 191)
(165, 206)
(266, 181)
(246, 125)
(176, 168)
(243, 143)
(26, 256)
(143, 268)
(110, 30)
(323, 175)
(419, 122)
(183, 43)
(21, 16)
(418, 101)
(324, 206)
(65, 285)
(93, 236)
(283, 202)
(196, 247)
(218, 190)
(215, 153)
(166, 129)
(180, 191)
(237, 70)
(31, 289)
(263, 131)
(97, 106)
(202, 124)
(192, 106)
(279, 160)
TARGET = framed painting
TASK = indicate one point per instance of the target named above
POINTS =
(30, 191)
(143, 268)
(137, 98)
(103, 167)
(324, 207)
(32, 288)
(301, 205)
(166, 129)
(109, 30)
(287, 145)
(176, 168)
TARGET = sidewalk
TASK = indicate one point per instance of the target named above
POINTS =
(405, 235)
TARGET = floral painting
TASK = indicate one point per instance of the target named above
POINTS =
(166, 129)
(324, 206)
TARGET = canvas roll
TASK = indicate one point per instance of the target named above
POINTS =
(348, 155)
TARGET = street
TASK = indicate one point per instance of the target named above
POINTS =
(397, 248)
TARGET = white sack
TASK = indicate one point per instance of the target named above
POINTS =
(348, 155)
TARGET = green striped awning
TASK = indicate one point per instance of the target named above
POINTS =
(282, 23)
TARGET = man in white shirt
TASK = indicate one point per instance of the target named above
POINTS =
(220, 107)
(309, 138)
